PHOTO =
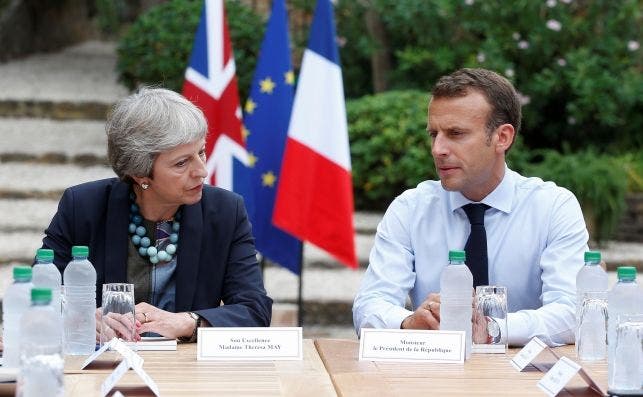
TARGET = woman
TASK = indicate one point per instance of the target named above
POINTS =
(187, 247)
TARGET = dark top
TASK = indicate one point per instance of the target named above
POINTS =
(153, 283)
(216, 258)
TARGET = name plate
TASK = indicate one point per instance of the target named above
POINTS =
(558, 376)
(250, 343)
(113, 378)
(411, 345)
(528, 353)
(116, 344)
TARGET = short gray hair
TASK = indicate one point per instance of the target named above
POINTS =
(147, 123)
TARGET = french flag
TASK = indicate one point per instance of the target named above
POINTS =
(315, 195)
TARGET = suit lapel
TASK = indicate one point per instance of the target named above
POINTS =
(187, 264)
(116, 236)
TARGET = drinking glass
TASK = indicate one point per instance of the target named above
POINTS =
(118, 314)
(591, 336)
(490, 316)
(628, 356)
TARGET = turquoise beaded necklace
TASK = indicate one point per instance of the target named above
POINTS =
(139, 238)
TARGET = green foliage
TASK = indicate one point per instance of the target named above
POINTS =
(108, 15)
(389, 146)
(632, 163)
(355, 48)
(598, 181)
(156, 48)
(577, 63)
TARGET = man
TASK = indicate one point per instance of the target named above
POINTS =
(535, 233)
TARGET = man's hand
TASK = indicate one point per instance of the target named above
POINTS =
(426, 316)
(480, 333)
(167, 324)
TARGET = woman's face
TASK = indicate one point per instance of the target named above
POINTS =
(178, 175)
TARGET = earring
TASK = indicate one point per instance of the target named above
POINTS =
(145, 185)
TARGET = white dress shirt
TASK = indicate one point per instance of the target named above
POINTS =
(536, 239)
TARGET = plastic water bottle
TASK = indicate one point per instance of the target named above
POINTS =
(47, 275)
(590, 278)
(456, 297)
(591, 286)
(41, 360)
(80, 304)
(17, 299)
(624, 298)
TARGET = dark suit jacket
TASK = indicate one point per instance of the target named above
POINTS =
(216, 254)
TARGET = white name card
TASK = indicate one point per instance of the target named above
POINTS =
(149, 382)
(528, 353)
(250, 343)
(113, 378)
(558, 376)
(411, 345)
(118, 373)
(125, 351)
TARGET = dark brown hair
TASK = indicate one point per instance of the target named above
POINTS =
(500, 93)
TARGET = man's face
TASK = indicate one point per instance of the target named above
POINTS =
(466, 158)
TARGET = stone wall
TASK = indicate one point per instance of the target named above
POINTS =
(630, 227)
(28, 26)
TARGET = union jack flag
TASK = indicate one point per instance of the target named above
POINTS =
(211, 84)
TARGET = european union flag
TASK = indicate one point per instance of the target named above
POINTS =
(266, 118)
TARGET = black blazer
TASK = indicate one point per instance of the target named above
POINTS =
(216, 259)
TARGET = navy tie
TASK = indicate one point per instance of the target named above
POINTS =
(476, 247)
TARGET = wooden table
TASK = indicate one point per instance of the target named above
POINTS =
(178, 373)
(329, 368)
(483, 374)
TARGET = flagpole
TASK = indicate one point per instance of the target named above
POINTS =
(300, 301)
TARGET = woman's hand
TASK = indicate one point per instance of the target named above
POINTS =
(167, 324)
(116, 325)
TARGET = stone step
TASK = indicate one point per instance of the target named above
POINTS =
(337, 284)
(366, 222)
(328, 331)
(24, 221)
(49, 141)
(77, 82)
(327, 293)
(34, 214)
(286, 315)
(20, 241)
(19, 247)
(27, 180)
(59, 110)
(27, 215)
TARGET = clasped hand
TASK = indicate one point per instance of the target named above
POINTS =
(147, 319)
(427, 316)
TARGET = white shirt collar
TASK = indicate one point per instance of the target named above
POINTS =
(501, 198)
